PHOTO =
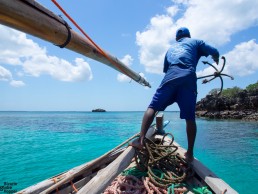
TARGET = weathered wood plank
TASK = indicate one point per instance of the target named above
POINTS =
(212, 180)
(215, 183)
(107, 175)
(89, 165)
(84, 169)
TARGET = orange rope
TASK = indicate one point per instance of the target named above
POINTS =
(76, 190)
(82, 31)
(55, 181)
(131, 184)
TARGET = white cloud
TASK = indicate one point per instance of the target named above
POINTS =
(241, 61)
(123, 78)
(17, 84)
(213, 21)
(154, 42)
(15, 47)
(181, 1)
(57, 68)
(5, 75)
(127, 60)
(33, 60)
(172, 11)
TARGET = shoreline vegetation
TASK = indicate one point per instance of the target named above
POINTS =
(233, 103)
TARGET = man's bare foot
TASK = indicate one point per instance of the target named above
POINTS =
(188, 157)
(136, 143)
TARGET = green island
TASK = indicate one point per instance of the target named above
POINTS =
(233, 103)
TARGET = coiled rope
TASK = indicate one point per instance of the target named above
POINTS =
(132, 185)
(158, 170)
(163, 165)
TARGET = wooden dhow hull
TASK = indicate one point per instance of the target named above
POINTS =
(95, 176)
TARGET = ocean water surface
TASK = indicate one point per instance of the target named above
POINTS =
(37, 145)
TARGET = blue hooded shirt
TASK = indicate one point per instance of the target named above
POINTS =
(182, 57)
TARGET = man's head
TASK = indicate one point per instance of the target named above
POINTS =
(182, 32)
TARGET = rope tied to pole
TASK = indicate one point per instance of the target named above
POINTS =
(115, 63)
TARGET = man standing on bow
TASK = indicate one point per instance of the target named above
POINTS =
(179, 84)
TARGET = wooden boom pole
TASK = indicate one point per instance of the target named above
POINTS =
(32, 18)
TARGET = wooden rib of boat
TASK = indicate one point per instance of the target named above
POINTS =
(95, 176)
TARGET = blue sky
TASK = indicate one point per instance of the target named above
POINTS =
(36, 75)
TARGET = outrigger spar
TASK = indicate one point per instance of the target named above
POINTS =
(32, 18)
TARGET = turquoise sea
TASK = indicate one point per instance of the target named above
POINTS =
(37, 145)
